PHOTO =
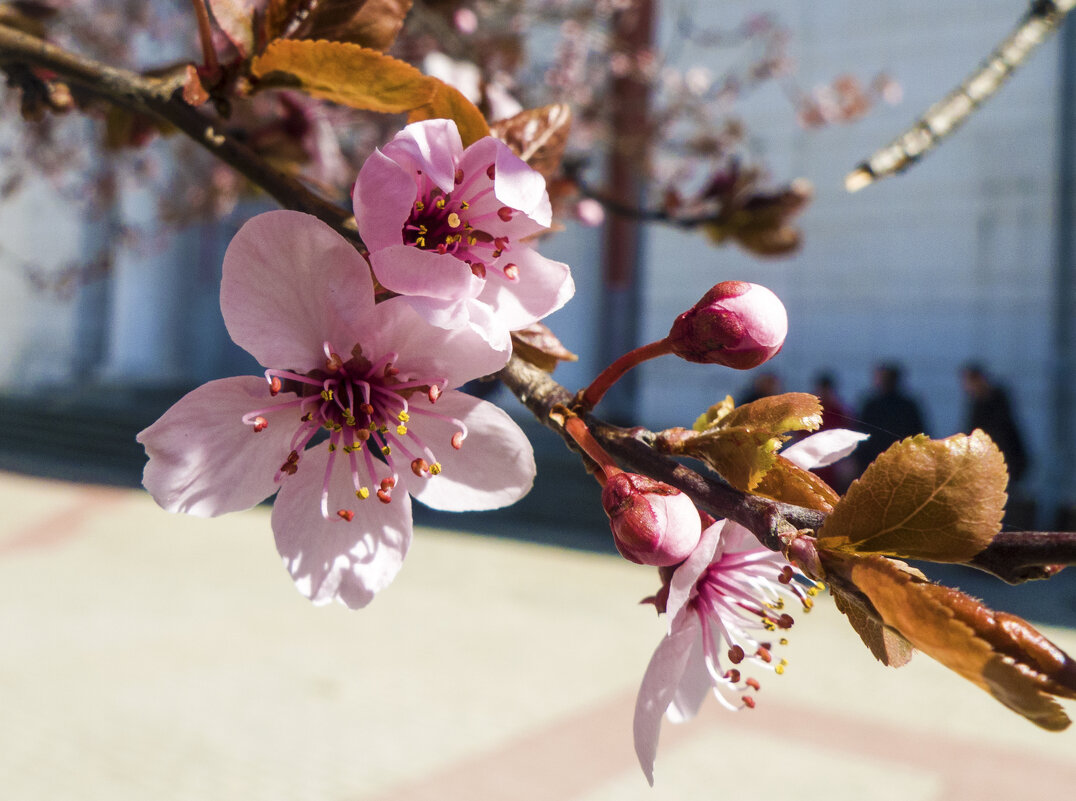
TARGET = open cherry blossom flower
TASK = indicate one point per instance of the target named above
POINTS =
(726, 606)
(357, 412)
(448, 227)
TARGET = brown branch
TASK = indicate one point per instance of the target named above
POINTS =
(162, 99)
(1019, 556)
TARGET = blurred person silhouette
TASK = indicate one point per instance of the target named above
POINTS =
(888, 414)
(989, 409)
(835, 414)
(762, 386)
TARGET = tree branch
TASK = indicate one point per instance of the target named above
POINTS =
(162, 99)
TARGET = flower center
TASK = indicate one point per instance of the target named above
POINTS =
(364, 408)
(741, 599)
(459, 222)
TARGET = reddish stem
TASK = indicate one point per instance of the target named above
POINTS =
(578, 431)
(611, 374)
(205, 34)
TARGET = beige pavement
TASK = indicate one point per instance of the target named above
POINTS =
(154, 656)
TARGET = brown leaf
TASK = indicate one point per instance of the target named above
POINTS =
(788, 483)
(370, 23)
(940, 500)
(194, 93)
(537, 135)
(447, 102)
(344, 73)
(888, 647)
(741, 443)
(236, 19)
(1002, 654)
(539, 346)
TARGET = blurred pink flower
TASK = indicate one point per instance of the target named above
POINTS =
(448, 228)
(358, 414)
(726, 608)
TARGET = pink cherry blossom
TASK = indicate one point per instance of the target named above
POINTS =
(726, 606)
(448, 228)
(356, 413)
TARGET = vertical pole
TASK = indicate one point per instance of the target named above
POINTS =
(633, 32)
(1062, 453)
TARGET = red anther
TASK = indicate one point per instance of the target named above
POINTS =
(733, 676)
(736, 654)
(511, 272)
(334, 363)
(505, 213)
(748, 701)
(785, 621)
(442, 249)
(260, 424)
(390, 371)
(764, 655)
(345, 514)
(457, 440)
(384, 496)
(433, 393)
(478, 269)
(501, 243)
(362, 434)
(289, 468)
(293, 457)
(786, 575)
(420, 467)
(753, 684)
(491, 171)
(459, 176)
(274, 385)
(366, 409)
(388, 483)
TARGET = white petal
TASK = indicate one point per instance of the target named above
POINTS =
(823, 448)
(494, 468)
(659, 685)
(684, 577)
(335, 559)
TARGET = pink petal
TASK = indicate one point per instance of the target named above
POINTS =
(823, 448)
(516, 184)
(335, 559)
(684, 577)
(543, 287)
(204, 461)
(383, 197)
(659, 686)
(494, 468)
(425, 273)
(290, 283)
(695, 684)
(432, 146)
(426, 352)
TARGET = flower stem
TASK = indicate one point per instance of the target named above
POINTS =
(611, 374)
(578, 431)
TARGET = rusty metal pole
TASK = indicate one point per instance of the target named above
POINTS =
(629, 149)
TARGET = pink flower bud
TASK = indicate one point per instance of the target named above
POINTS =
(653, 523)
(736, 324)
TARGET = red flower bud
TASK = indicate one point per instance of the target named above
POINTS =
(652, 523)
(736, 324)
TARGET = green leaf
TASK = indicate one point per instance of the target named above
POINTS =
(940, 500)
(344, 73)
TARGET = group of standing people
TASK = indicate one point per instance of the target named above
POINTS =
(890, 414)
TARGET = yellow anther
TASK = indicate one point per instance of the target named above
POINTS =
(331, 447)
(422, 229)
(472, 241)
(420, 241)
(779, 670)
(812, 591)
(440, 203)
(769, 625)
(465, 205)
(362, 494)
(784, 641)
(386, 450)
(326, 394)
(454, 220)
(381, 429)
(401, 429)
(780, 604)
(403, 417)
(419, 205)
(435, 469)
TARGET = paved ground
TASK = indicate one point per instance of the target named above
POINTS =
(152, 656)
